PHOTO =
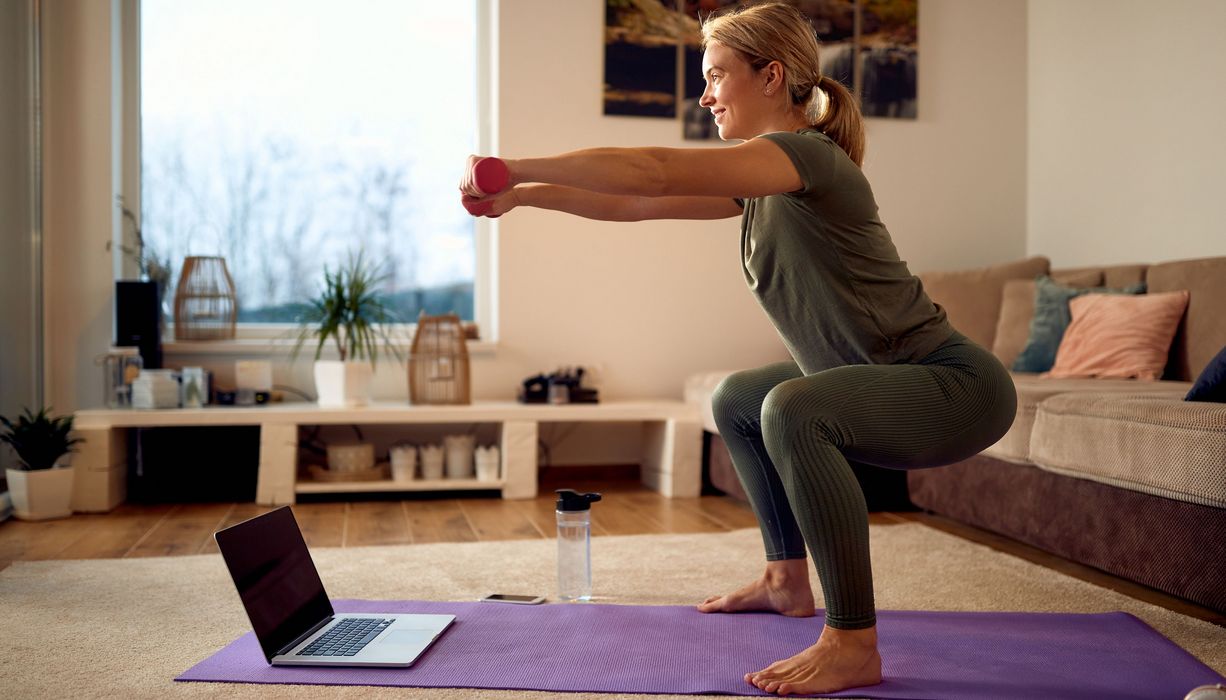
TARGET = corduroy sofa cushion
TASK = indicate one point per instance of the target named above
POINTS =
(1013, 325)
(1033, 389)
(1152, 443)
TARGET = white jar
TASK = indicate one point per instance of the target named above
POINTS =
(432, 461)
(404, 462)
(487, 463)
(459, 456)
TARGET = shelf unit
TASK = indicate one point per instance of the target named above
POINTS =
(672, 447)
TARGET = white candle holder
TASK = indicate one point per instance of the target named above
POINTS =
(404, 462)
(459, 456)
(432, 461)
(487, 463)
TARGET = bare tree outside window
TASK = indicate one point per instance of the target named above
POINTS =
(286, 134)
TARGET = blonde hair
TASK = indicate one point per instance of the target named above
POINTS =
(777, 32)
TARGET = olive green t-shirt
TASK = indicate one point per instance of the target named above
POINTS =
(823, 266)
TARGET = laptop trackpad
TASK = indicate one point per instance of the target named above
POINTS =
(407, 638)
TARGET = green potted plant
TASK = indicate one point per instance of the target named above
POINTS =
(41, 485)
(352, 313)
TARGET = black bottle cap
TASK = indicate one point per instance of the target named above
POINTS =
(569, 500)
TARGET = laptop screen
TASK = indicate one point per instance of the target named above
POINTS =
(275, 577)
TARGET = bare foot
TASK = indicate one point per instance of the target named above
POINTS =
(783, 589)
(841, 659)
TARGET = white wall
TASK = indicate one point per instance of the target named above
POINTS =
(1127, 158)
(651, 303)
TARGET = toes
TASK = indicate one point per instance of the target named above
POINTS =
(763, 677)
(778, 668)
(757, 679)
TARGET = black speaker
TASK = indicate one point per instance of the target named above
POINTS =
(138, 319)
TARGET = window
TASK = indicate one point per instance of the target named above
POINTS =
(285, 135)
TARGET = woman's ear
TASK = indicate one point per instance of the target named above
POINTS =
(773, 73)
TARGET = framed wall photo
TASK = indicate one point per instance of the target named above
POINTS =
(889, 57)
(640, 58)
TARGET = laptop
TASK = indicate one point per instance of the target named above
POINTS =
(291, 613)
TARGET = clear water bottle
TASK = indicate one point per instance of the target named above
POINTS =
(575, 544)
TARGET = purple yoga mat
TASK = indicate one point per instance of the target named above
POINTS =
(676, 649)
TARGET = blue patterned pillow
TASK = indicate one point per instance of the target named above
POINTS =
(1051, 318)
(1211, 384)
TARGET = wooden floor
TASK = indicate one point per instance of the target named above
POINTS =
(628, 509)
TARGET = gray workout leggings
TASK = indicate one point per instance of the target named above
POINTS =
(791, 437)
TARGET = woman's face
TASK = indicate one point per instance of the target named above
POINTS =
(734, 93)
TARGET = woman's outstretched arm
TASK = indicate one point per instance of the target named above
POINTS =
(755, 168)
(611, 207)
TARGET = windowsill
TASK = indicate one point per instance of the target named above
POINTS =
(284, 347)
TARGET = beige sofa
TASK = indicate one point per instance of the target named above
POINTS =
(1122, 475)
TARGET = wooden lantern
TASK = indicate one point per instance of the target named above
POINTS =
(438, 362)
(206, 307)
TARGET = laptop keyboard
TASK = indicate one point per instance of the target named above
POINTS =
(346, 638)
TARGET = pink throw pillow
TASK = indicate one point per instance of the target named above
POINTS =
(1119, 335)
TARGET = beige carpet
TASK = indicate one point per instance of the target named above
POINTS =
(126, 628)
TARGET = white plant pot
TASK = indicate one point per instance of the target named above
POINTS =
(42, 494)
(404, 462)
(487, 463)
(342, 383)
(431, 461)
(459, 449)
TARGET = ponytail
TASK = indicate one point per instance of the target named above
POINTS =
(834, 111)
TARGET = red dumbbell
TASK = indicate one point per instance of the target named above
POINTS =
(491, 176)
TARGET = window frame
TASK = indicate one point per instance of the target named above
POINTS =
(277, 338)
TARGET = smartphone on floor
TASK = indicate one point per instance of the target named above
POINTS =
(512, 598)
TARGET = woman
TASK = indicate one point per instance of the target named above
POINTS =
(880, 376)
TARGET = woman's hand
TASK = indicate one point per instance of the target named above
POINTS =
(484, 176)
(494, 205)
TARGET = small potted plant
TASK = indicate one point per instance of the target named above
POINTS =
(41, 485)
(353, 314)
